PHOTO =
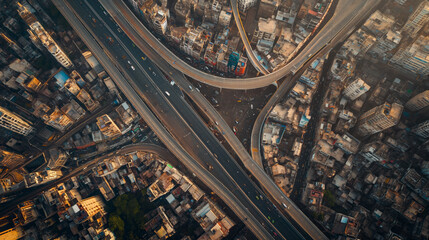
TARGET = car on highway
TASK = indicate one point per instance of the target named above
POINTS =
(286, 206)
(190, 87)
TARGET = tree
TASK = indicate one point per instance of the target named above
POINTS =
(329, 199)
(116, 224)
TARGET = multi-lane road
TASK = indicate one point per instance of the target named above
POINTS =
(345, 17)
(181, 121)
(197, 143)
(263, 179)
(166, 92)
(107, 60)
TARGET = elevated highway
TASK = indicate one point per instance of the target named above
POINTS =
(346, 16)
(166, 102)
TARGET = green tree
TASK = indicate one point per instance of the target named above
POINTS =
(116, 224)
(328, 199)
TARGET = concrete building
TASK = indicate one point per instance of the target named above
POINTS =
(387, 43)
(10, 159)
(266, 30)
(55, 157)
(356, 89)
(401, 2)
(37, 178)
(86, 209)
(15, 47)
(415, 57)
(417, 19)
(374, 152)
(379, 118)
(244, 5)
(241, 66)
(160, 22)
(14, 122)
(422, 129)
(107, 126)
(58, 120)
(126, 114)
(73, 110)
(86, 99)
(225, 17)
(379, 24)
(418, 102)
(193, 42)
(44, 37)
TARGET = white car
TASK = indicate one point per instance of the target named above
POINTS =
(133, 68)
(168, 94)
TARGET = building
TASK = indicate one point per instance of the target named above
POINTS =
(243, 5)
(225, 17)
(356, 89)
(422, 129)
(10, 159)
(418, 102)
(379, 119)
(160, 22)
(401, 2)
(374, 152)
(387, 43)
(241, 66)
(17, 49)
(84, 97)
(37, 178)
(193, 42)
(107, 126)
(266, 30)
(44, 37)
(418, 19)
(55, 157)
(14, 122)
(86, 209)
(414, 57)
(58, 120)
(379, 24)
(73, 110)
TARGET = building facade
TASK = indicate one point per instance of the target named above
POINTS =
(14, 122)
(418, 102)
(417, 19)
(379, 119)
(356, 89)
(43, 36)
(244, 5)
(415, 57)
(422, 129)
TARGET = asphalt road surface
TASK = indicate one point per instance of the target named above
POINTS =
(347, 15)
(165, 98)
